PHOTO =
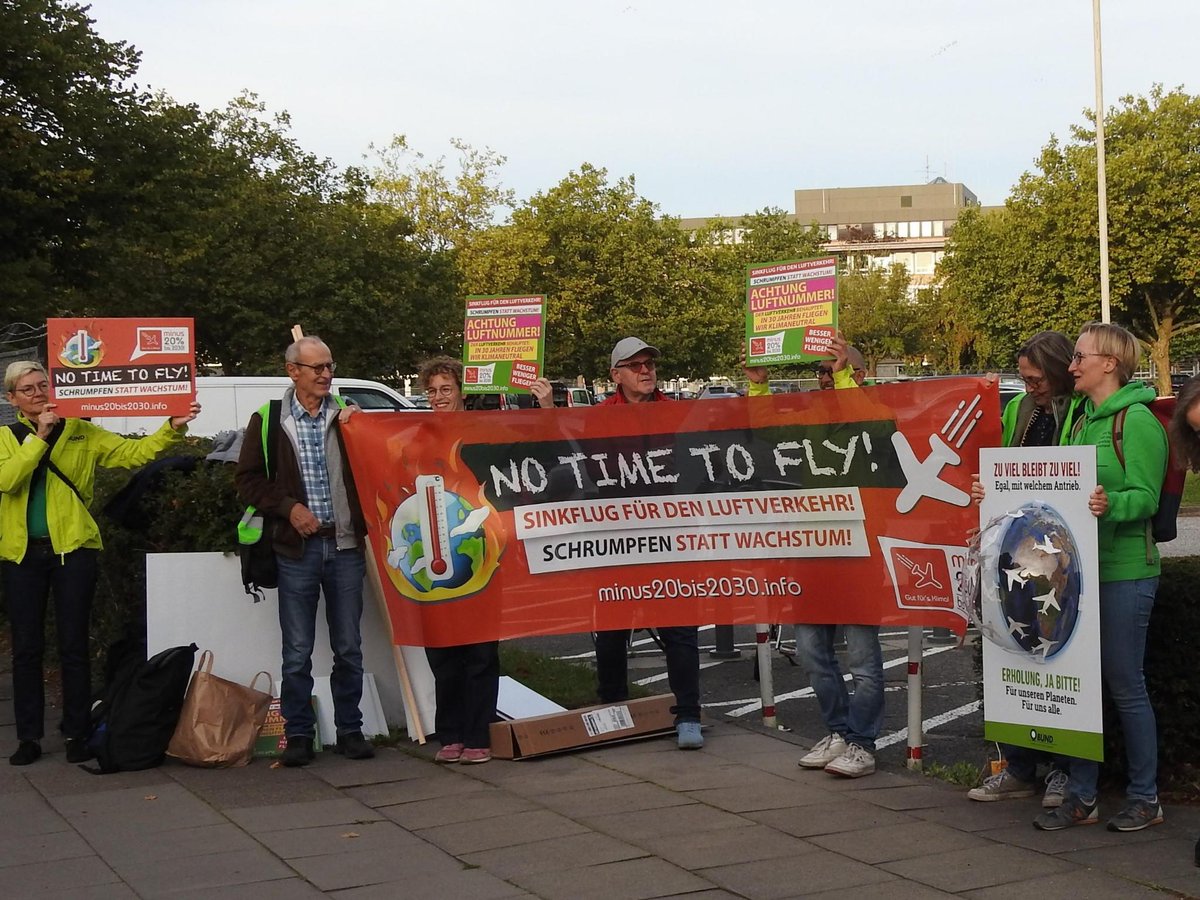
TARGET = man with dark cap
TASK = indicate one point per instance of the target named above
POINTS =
(633, 370)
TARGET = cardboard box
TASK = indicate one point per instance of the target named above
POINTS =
(575, 728)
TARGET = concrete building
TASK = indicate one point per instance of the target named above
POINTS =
(880, 226)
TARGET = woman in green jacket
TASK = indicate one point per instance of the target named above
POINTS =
(49, 544)
(1124, 501)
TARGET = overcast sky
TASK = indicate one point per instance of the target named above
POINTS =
(715, 107)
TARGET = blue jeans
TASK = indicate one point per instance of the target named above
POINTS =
(857, 717)
(339, 574)
(1124, 620)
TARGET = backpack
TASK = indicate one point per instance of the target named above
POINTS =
(137, 714)
(1163, 527)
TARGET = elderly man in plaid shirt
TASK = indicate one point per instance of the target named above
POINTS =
(318, 532)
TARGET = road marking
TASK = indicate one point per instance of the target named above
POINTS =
(929, 724)
(753, 705)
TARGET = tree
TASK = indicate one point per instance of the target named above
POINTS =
(603, 258)
(63, 116)
(445, 214)
(876, 314)
(1037, 266)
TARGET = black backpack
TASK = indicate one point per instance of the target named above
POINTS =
(137, 714)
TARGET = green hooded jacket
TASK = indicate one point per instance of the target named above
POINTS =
(81, 447)
(1126, 549)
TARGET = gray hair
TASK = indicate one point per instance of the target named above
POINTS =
(18, 370)
(292, 354)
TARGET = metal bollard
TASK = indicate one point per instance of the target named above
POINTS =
(724, 648)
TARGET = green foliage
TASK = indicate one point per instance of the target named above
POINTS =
(960, 773)
(876, 315)
(188, 513)
(1035, 265)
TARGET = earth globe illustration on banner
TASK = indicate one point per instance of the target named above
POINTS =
(437, 552)
(1030, 582)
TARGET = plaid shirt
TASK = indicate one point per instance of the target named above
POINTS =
(313, 471)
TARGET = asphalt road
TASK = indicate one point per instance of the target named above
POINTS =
(951, 684)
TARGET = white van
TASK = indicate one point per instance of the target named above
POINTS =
(228, 402)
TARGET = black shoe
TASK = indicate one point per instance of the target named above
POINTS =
(77, 750)
(299, 752)
(353, 745)
(27, 752)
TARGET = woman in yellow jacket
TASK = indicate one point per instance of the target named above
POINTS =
(49, 543)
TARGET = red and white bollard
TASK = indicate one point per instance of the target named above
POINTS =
(766, 684)
(916, 737)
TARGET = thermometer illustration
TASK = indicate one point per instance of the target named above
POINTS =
(435, 531)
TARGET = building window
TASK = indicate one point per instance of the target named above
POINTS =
(926, 229)
(939, 228)
(902, 229)
(923, 263)
(905, 201)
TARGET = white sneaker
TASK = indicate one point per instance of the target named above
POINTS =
(854, 763)
(1004, 785)
(826, 750)
(1056, 790)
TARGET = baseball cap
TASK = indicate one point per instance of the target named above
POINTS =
(630, 346)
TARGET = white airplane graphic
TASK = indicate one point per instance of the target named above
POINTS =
(1017, 628)
(922, 477)
(1046, 546)
(923, 574)
(1044, 645)
(1015, 576)
(1047, 600)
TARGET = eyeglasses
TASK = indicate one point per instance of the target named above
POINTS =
(645, 365)
(1078, 357)
(824, 371)
(447, 391)
(1032, 382)
(42, 387)
(319, 367)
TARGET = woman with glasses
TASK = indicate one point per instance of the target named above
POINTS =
(1124, 501)
(1041, 417)
(49, 544)
(466, 677)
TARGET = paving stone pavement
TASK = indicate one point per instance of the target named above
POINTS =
(736, 819)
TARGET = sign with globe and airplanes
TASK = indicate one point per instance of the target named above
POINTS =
(1038, 606)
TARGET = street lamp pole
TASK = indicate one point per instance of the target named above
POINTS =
(1101, 179)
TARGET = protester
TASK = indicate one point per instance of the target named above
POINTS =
(633, 368)
(1043, 416)
(1125, 499)
(317, 530)
(49, 543)
(1185, 424)
(852, 719)
(466, 676)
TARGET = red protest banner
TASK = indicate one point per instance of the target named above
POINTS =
(121, 367)
(831, 506)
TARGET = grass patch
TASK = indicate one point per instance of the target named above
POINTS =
(568, 684)
(961, 773)
(1191, 490)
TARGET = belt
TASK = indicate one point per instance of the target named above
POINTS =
(326, 531)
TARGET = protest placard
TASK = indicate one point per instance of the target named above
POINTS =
(504, 344)
(836, 506)
(121, 367)
(791, 310)
(1040, 600)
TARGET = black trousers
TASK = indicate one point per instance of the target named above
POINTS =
(683, 668)
(466, 682)
(27, 585)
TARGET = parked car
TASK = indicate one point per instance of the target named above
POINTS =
(420, 401)
(499, 401)
(718, 392)
(567, 395)
(227, 402)
(681, 395)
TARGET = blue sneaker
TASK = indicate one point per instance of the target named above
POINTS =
(689, 736)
